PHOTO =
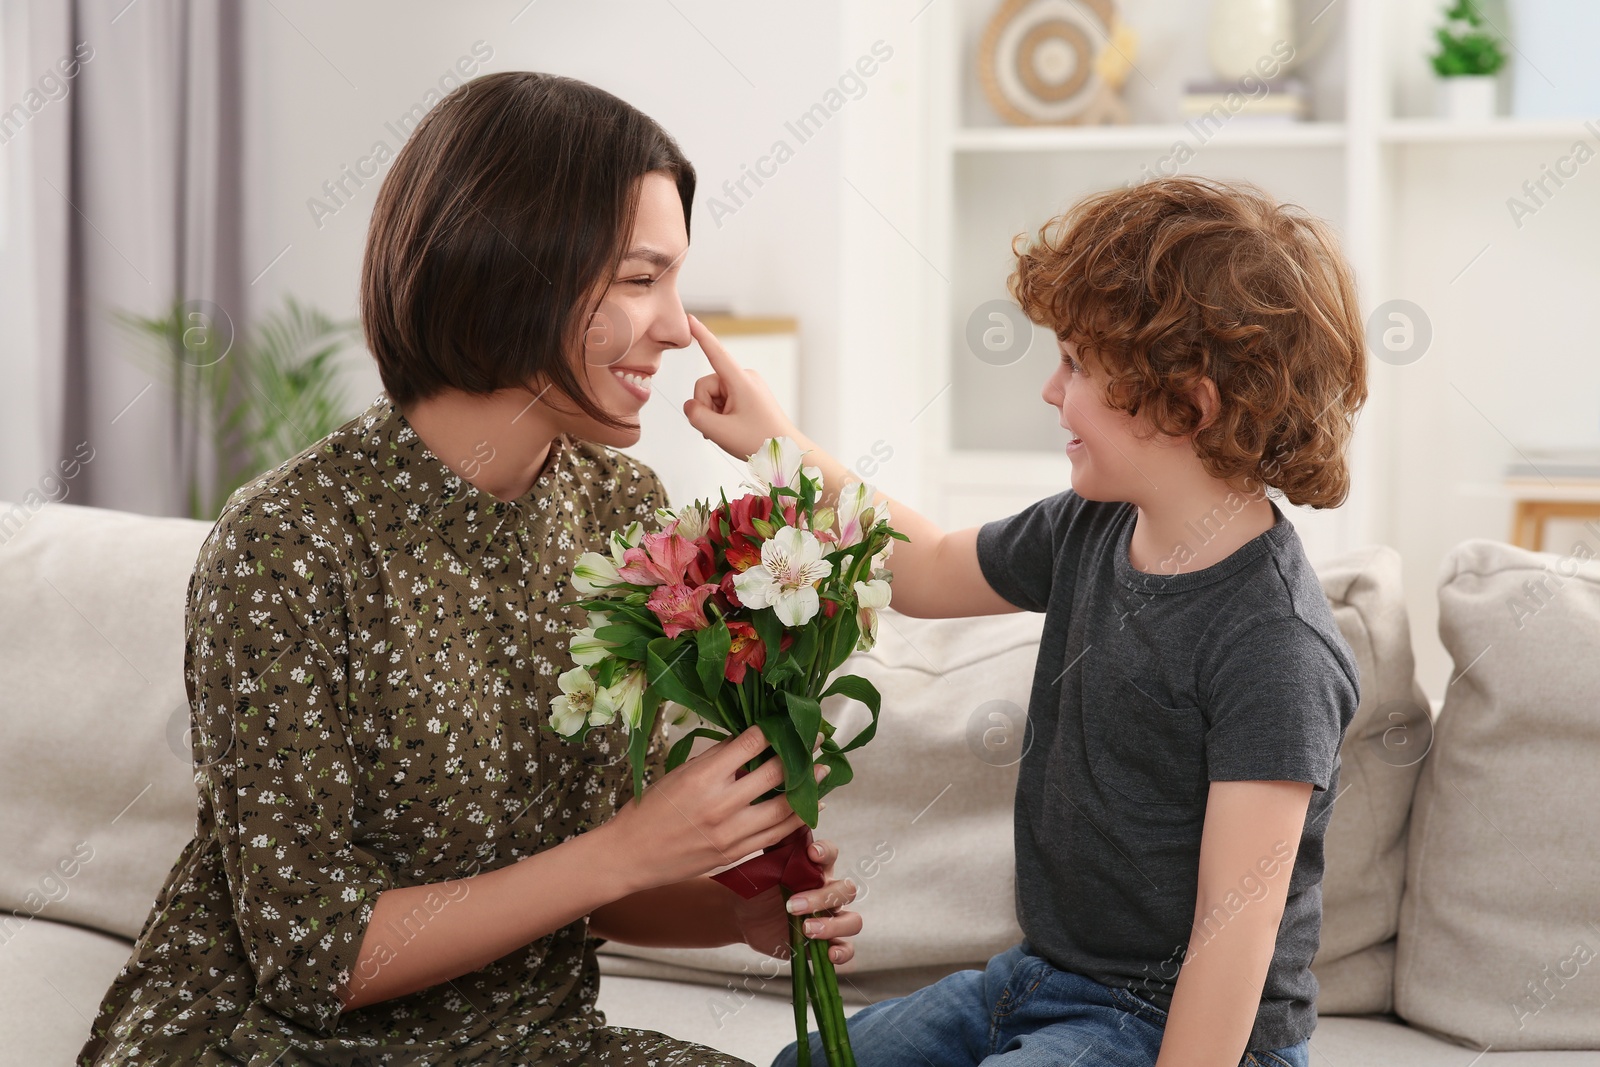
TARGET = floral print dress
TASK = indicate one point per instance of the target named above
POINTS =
(372, 645)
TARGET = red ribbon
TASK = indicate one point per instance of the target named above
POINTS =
(787, 863)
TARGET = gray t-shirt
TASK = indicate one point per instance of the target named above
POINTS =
(1149, 686)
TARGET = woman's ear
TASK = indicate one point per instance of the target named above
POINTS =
(1207, 399)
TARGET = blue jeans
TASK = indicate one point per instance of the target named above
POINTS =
(1018, 1012)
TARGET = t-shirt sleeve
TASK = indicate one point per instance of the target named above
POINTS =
(1278, 704)
(1018, 554)
(265, 667)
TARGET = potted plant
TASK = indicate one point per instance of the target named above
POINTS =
(1466, 63)
(259, 398)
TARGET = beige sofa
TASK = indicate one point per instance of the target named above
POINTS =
(1461, 902)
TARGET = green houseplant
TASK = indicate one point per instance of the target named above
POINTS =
(1468, 58)
(259, 398)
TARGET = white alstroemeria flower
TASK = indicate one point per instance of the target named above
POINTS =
(854, 499)
(624, 539)
(594, 573)
(871, 598)
(777, 464)
(624, 698)
(691, 521)
(787, 576)
(585, 648)
(575, 705)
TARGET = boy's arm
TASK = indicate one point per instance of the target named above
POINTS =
(1250, 828)
(936, 574)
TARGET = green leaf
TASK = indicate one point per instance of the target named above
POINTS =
(639, 740)
(661, 661)
(844, 640)
(857, 688)
(711, 660)
(840, 772)
(806, 714)
(770, 629)
(680, 748)
(620, 633)
(804, 649)
(786, 670)
(799, 783)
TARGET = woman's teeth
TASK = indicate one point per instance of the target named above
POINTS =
(639, 383)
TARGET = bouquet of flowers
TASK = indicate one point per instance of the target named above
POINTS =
(738, 614)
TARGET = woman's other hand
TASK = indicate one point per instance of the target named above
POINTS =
(733, 406)
(764, 924)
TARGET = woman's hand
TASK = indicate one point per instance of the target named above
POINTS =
(764, 924)
(733, 406)
(700, 817)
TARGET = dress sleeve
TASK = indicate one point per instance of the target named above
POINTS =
(1277, 706)
(265, 667)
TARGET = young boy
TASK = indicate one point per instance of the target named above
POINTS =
(1192, 688)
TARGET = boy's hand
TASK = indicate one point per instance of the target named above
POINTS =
(733, 407)
(764, 924)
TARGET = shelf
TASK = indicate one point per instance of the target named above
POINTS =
(1243, 133)
(1493, 131)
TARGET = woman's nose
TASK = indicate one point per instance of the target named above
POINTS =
(671, 326)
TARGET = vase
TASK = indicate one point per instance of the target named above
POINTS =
(1467, 97)
(1245, 32)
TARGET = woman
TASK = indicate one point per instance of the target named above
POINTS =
(394, 861)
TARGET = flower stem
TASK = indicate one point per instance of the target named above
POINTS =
(828, 980)
(830, 1011)
(824, 1011)
(797, 977)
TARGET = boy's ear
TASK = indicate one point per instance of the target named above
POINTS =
(1206, 396)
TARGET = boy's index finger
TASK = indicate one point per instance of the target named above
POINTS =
(718, 356)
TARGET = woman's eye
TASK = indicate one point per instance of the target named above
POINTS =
(646, 282)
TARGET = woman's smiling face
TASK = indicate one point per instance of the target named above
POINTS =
(640, 316)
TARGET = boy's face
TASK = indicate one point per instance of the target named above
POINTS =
(1114, 456)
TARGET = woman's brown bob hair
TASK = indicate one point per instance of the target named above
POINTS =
(1178, 279)
(497, 231)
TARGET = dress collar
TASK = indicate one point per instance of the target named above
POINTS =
(423, 490)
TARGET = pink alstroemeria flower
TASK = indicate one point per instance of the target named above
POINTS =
(680, 607)
(660, 559)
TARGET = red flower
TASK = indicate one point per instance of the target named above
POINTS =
(747, 650)
(742, 546)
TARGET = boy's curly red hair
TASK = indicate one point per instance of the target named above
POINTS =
(1178, 279)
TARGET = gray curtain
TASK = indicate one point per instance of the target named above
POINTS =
(132, 181)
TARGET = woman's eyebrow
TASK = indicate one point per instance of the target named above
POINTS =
(653, 256)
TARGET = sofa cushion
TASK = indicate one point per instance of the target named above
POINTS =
(95, 773)
(1500, 924)
(52, 976)
(1380, 760)
(925, 827)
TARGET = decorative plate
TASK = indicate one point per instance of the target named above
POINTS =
(1038, 59)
